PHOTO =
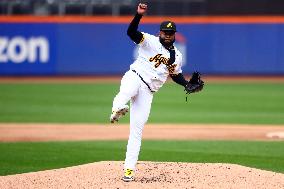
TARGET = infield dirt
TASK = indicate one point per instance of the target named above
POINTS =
(149, 174)
(63, 132)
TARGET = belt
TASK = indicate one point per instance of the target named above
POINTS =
(143, 81)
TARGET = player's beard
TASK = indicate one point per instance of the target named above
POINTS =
(165, 43)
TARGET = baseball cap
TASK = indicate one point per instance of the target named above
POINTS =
(168, 26)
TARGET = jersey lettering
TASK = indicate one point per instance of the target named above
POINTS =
(171, 68)
(159, 59)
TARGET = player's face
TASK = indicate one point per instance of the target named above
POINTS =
(167, 38)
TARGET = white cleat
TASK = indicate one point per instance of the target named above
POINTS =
(116, 115)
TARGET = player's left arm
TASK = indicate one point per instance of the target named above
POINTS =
(179, 79)
(177, 75)
(195, 84)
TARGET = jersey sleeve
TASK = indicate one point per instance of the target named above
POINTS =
(132, 30)
(146, 40)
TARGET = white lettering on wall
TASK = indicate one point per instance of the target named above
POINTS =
(3, 46)
(40, 44)
(19, 49)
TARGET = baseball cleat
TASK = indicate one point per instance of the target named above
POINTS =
(116, 115)
(128, 175)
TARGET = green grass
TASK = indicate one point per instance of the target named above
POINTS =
(222, 103)
(91, 103)
(248, 103)
(27, 157)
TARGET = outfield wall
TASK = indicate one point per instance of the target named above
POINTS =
(100, 46)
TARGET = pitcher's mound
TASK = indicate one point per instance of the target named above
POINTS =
(148, 175)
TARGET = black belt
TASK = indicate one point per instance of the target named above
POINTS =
(143, 81)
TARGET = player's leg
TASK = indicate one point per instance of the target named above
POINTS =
(129, 86)
(139, 113)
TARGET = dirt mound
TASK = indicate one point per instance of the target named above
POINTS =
(148, 175)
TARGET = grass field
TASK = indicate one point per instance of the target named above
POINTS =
(27, 157)
(249, 103)
(252, 103)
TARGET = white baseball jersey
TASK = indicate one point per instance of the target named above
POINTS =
(152, 62)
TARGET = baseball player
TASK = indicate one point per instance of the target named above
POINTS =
(157, 59)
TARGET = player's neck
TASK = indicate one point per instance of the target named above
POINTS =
(171, 47)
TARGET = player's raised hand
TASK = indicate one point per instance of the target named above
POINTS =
(142, 8)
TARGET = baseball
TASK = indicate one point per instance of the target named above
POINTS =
(143, 6)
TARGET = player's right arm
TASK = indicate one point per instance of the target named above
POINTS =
(132, 30)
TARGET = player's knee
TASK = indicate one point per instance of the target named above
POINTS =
(141, 120)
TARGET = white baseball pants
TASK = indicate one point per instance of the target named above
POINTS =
(134, 90)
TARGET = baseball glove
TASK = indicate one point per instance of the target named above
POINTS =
(195, 84)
